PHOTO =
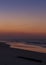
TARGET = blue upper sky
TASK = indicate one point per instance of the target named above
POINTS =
(26, 5)
(23, 15)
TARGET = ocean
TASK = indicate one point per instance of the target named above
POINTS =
(30, 45)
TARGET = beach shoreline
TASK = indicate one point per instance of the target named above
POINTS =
(15, 56)
(29, 47)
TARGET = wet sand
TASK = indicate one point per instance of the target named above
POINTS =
(17, 56)
(28, 47)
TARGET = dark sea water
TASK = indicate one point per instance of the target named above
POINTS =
(38, 45)
(38, 42)
(31, 45)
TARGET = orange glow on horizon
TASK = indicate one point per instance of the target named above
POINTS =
(22, 23)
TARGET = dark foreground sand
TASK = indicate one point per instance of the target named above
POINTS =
(11, 56)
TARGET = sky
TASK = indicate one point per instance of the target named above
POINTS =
(23, 17)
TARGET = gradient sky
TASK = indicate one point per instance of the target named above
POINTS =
(23, 16)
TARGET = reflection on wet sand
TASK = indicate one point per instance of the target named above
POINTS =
(18, 56)
(27, 47)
